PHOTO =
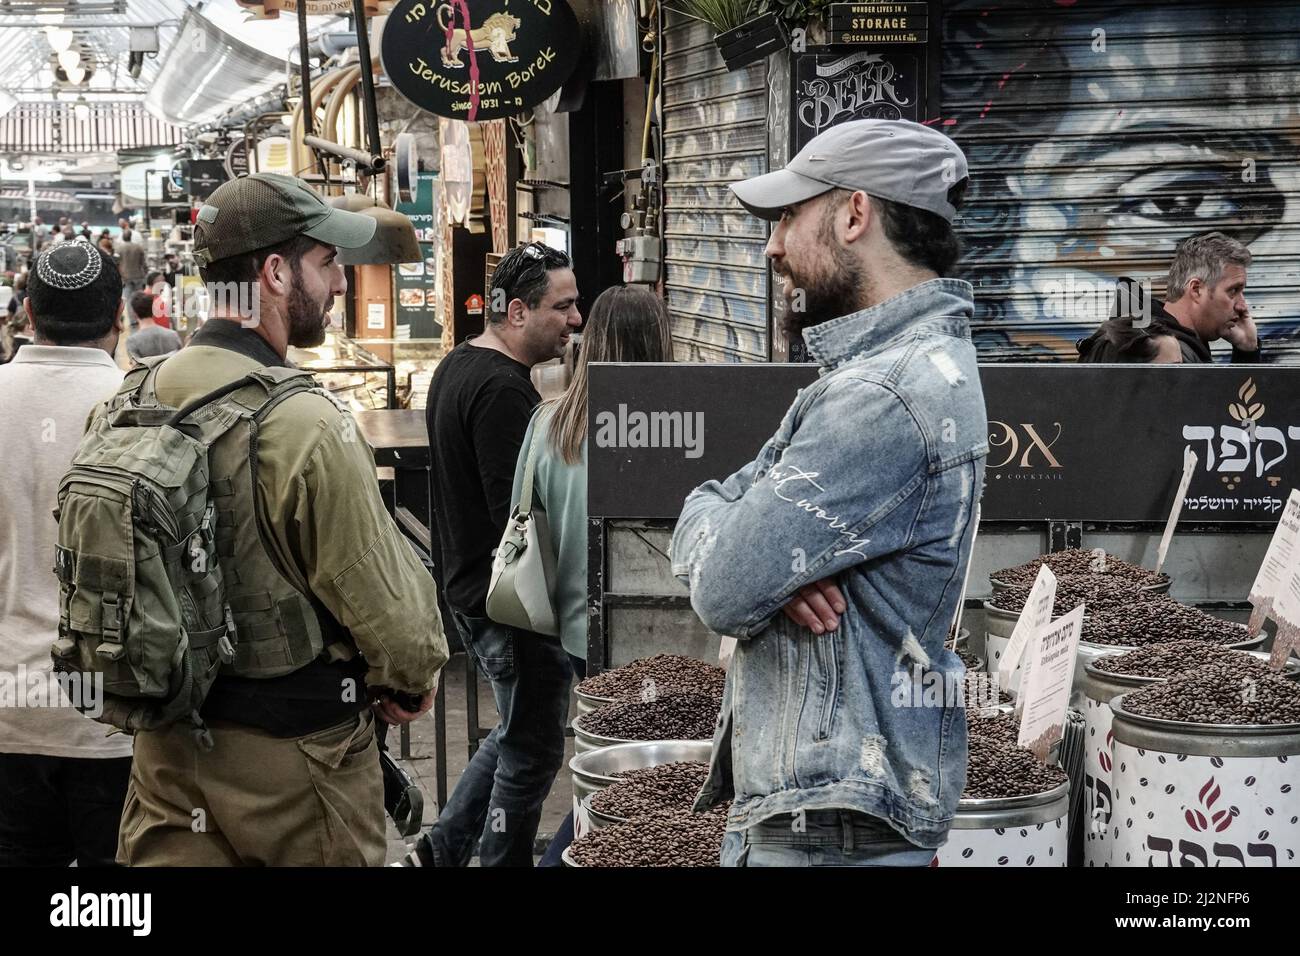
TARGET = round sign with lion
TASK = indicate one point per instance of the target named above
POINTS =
(480, 59)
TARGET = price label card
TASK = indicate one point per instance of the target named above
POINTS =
(1045, 689)
(375, 315)
(1035, 615)
(1190, 461)
(1286, 611)
(1281, 555)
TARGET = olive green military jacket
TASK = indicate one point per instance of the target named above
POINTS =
(324, 523)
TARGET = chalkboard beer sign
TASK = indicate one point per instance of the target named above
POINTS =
(480, 59)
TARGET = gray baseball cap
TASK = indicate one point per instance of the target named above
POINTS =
(891, 159)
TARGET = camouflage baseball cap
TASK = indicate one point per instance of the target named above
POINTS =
(265, 209)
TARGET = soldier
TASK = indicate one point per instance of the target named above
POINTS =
(328, 599)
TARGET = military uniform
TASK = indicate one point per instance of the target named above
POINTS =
(327, 599)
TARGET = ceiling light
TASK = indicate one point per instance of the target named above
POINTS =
(76, 75)
(69, 59)
(60, 40)
(81, 110)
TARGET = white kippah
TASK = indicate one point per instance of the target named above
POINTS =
(70, 265)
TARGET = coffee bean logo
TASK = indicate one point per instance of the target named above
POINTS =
(1169, 788)
(1030, 861)
(1250, 781)
(967, 853)
(1003, 861)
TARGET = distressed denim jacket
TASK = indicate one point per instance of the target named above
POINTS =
(873, 480)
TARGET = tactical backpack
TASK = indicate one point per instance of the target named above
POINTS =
(143, 598)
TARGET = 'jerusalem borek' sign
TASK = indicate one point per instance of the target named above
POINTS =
(480, 59)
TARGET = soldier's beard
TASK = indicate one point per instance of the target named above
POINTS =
(307, 318)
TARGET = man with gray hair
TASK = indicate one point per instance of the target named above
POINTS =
(1205, 299)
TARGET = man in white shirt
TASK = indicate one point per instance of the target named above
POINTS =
(62, 779)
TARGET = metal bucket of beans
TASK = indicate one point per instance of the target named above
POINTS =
(664, 838)
(648, 677)
(595, 770)
(1014, 812)
(668, 786)
(1104, 679)
(1081, 562)
(670, 715)
(1206, 771)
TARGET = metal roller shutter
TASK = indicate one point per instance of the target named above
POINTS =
(1100, 134)
(715, 133)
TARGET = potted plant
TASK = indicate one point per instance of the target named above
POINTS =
(745, 30)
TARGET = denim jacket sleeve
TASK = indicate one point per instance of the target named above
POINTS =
(847, 488)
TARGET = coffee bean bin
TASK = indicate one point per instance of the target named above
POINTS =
(1001, 624)
(1010, 831)
(593, 769)
(1189, 794)
(1100, 688)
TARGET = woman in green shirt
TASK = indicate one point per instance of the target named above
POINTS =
(625, 324)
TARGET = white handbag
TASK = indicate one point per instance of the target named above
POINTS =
(522, 588)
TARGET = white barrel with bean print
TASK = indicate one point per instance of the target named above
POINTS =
(1190, 794)
(1010, 831)
(1099, 689)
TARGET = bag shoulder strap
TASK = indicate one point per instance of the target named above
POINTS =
(526, 492)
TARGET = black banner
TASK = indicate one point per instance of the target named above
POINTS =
(1093, 443)
(480, 59)
(829, 88)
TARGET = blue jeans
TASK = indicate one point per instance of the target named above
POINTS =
(564, 835)
(498, 801)
(822, 838)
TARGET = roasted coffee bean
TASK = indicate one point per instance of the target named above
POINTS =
(1217, 693)
(663, 838)
(670, 786)
(674, 715)
(1156, 621)
(1004, 728)
(651, 675)
(995, 770)
(1077, 561)
(1094, 590)
(1174, 657)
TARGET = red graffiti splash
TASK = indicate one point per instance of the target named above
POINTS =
(462, 7)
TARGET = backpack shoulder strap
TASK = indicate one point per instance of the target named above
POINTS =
(252, 396)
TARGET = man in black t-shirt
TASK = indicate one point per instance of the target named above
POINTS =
(480, 401)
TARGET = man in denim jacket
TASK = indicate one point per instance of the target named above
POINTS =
(837, 556)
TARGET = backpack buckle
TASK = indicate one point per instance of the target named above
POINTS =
(225, 644)
(111, 621)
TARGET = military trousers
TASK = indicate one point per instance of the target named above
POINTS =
(255, 799)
